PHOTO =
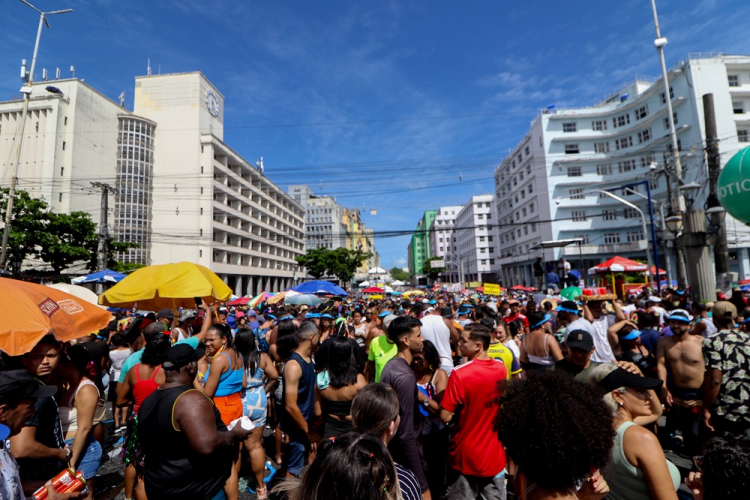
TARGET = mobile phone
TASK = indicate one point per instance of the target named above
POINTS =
(198, 301)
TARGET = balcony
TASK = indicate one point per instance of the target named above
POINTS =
(614, 249)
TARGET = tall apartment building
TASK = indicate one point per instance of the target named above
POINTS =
(442, 241)
(419, 247)
(545, 189)
(358, 237)
(475, 240)
(183, 194)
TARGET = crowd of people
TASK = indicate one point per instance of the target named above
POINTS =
(443, 395)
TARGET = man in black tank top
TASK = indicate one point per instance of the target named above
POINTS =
(187, 447)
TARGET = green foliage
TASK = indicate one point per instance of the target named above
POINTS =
(27, 229)
(68, 239)
(399, 274)
(432, 272)
(341, 262)
(112, 248)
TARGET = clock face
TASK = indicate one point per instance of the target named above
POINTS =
(212, 102)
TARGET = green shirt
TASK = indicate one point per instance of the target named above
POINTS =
(381, 351)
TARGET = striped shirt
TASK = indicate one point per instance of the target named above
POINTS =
(408, 483)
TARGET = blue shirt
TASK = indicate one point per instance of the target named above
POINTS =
(135, 358)
(552, 278)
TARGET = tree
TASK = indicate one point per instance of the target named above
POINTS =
(343, 263)
(68, 239)
(399, 274)
(432, 272)
(27, 228)
(315, 261)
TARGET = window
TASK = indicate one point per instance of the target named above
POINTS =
(623, 143)
(492, 261)
(633, 236)
(734, 80)
(481, 238)
(663, 96)
(523, 211)
(63, 146)
(611, 238)
(738, 107)
(531, 208)
(520, 158)
(631, 213)
(569, 127)
(654, 183)
(641, 112)
(666, 121)
(575, 172)
(625, 166)
(742, 136)
(62, 170)
(576, 194)
(60, 197)
(609, 214)
(530, 188)
(583, 237)
(599, 125)
(604, 169)
(525, 230)
(579, 215)
(621, 121)
(601, 147)
(526, 151)
(644, 136)
(65, 122)
(572, 149)
(647, 160)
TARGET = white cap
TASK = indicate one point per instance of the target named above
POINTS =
(653, 299)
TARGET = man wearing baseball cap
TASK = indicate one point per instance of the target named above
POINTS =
(726, 391)
(578, 364)
(18, 395)
(681, 368)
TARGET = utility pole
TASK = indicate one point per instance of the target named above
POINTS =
(101, 257)
(26, 91)
(721, 251)
(676, 202)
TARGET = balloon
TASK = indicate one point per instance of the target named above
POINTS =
(571, 293)
(734, 186)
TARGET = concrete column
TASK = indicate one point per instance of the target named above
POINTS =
(238, 289)
(258, 285)
(700, 269)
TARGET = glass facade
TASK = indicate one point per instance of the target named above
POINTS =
(135, 167)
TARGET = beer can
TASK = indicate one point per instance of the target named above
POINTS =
(60, 483)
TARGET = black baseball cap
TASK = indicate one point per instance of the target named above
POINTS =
(622, 378)
(580, 339)
(165, 313)
(16, 385)
(180, 355)
(446, 312)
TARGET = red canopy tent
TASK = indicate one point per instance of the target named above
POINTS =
(518, 287)
(619, 265)
(479, 289)
(744, 282)
(373, 289)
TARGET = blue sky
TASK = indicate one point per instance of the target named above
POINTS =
(377, 102)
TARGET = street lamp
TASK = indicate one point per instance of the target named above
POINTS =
(674, 223)
(689, 190)
(26, 91)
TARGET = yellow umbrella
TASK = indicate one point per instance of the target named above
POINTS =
(413, 292)
(32, 311)
(168, 286)
(281, 296)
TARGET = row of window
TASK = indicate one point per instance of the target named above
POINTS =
(607, 168)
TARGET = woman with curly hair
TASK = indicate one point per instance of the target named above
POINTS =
(558, 434)
(638, 469)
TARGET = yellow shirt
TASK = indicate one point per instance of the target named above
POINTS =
(501, 353)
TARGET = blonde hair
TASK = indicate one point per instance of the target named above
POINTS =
(600, 373)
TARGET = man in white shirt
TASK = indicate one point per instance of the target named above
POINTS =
(601, 321)
(653, 305)
(436, 331)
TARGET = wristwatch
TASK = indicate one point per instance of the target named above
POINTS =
(426, 403)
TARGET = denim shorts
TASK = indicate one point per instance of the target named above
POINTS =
(298, 449)
(92, 457)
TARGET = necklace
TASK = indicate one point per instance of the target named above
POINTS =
(218, 352)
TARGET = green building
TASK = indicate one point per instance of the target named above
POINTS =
(419, 247)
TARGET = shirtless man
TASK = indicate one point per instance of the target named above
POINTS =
(375, 329)
(682, 356)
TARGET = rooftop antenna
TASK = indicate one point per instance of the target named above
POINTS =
(148, 68)
(44, 74)
(260, 166)
(461, 176)
(73, 71)
(122, 99)
(57, 73)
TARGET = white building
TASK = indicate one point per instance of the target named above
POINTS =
(475, 252)
(552, 174)
(324, 225)
(442, 241)
(183, 194)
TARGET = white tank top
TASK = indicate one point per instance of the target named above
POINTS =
(69, 414)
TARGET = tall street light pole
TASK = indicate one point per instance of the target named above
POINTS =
(26, 90)
(676, 203)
